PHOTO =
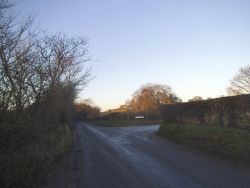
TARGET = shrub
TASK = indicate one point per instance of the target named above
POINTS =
(226, 111)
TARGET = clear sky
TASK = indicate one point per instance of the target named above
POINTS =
(195, 46)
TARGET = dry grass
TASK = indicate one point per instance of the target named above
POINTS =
(226, 142)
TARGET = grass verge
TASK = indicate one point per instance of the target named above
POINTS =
(124, 123)
(22, 163)
(229, 143)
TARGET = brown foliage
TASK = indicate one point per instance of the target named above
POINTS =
(148, 97)
(195, 98)
(86, 111)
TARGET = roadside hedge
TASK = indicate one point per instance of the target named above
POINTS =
(129, 116)
(233, 111)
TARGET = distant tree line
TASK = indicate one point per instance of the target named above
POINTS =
(86, 110)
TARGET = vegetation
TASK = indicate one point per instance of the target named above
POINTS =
(124, 123)
(240, 84)
(144, 104)
(205, 125)
(86, 110)
(150, 96)
(230, 111)
(40, 76)
(230, 143)
(195, 98)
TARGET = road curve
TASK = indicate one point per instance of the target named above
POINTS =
(134, 157)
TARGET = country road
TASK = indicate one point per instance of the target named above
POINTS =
(134, 157)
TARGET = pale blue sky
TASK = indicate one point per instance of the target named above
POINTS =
(195, 46)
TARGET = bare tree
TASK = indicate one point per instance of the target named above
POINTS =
(40, 76)
(13, 35)
(240, 84)
(60, 71)
(31, 67)
(63, 58)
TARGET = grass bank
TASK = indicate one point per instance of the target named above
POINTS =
(229, 143)
(27, 158)
(124, 123)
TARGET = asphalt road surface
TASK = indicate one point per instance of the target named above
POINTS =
(134, 157)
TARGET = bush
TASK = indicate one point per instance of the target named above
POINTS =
(32, 140)
(86, 111)
(22, 162)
